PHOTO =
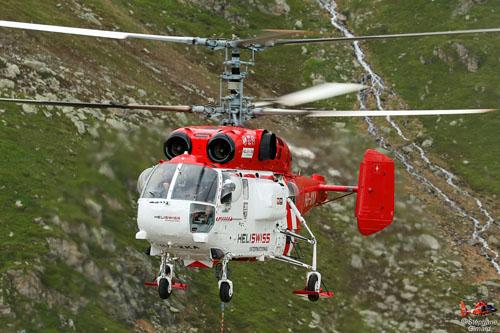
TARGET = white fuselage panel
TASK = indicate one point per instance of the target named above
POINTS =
(245, 226)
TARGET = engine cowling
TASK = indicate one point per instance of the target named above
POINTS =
(229, 147)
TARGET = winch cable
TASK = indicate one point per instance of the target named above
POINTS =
(222, 305)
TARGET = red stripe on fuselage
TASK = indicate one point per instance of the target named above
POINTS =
(289, 226)
(297, 221)
(197, 264)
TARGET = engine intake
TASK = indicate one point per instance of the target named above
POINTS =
(221, 148)
(176, 144)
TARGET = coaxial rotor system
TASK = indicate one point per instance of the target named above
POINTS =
(235, 108)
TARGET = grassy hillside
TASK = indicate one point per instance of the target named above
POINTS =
(67, 183)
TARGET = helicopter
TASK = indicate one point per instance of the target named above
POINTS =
(482, 308)
(227, 193)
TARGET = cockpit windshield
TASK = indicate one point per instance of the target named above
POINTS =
(159, 183)
(196, 183)
(192, 182)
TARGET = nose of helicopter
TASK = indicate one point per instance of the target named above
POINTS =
(162, 221)
(174, 223)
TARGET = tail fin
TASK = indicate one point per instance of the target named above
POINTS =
(375, 203)
(463, 309)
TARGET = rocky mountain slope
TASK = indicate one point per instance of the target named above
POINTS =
(67, 177)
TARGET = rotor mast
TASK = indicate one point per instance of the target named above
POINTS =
(235, 107)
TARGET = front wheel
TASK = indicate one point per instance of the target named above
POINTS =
(225, 292)
(311, 286)
(163, 289)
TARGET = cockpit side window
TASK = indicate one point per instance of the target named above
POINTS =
(201, 217)
(160, 180)
(196, 183)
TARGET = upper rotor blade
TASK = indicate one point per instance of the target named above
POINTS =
(269, 34)
(177, 108)
(314, 93)
(365, 113)
(358, 38)
(94, 33)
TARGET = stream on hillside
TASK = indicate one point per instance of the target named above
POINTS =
(377, 88)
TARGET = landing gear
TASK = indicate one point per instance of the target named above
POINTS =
(165, 280)
(164, 289)
(165, 277)
(313, 284)
(312, 289)
(225, 292)
(225, 285)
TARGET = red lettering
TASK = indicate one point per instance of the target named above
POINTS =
(253, 238)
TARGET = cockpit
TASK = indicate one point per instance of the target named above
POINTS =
(187, 182)
(191, 182)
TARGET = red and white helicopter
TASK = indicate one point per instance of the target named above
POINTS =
(226, 192)
(482, 308)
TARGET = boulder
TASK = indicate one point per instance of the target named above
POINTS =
(356, 261)
(430, 242)
(427, 143)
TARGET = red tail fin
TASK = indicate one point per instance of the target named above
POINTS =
(375, 204)
(463, 309)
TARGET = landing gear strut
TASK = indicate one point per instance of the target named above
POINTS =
(312, 289)
(225, 285)
(165, 280)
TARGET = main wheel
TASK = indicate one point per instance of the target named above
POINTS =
(311, 286)
(163, 289)
(225, 292)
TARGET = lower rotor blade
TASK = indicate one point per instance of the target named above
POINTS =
(314, 93)
(394, 113)
(365, 113)
(176, 108)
